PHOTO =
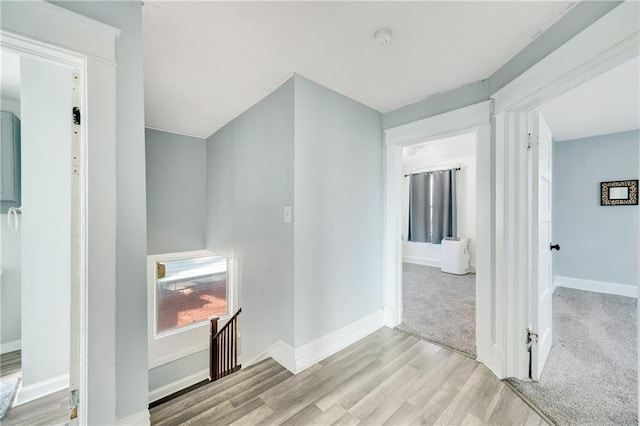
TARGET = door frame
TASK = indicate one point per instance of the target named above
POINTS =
(471, 119)
(607, 43)
(51, 33)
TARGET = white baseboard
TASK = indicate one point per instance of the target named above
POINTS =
(40, 389)
(284, 354)
(178, 385)
(13, 346)
(141, 418)
(296, 359)
(328, 345)
(492, 357)
(390, 317)
(303, 357)
(596, 286)
(425, 261)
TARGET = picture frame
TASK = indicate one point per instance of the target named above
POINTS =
(619, 193)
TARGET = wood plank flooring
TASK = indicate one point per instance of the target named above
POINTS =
(387, 378)
(50, 410)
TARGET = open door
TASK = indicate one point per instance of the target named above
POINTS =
(542, 289)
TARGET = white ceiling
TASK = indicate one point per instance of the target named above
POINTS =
(206, 62)
(9, 75)
(609, 103)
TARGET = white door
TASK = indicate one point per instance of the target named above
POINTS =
(542, 290)
(45, 226)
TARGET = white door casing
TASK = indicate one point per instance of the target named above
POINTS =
(474, 118)
(542, 290)
(52, 33)
(610, 41)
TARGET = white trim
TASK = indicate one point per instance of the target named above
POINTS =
(284, 354)
(485, 304)
(425, 261)
(326, 346)
(185, 341)
(596, 286)
(141, 418)
(605, 44)
(474, 118)
(492, 356)
(12, 346)
(41, 21)
(178, 385)
(21, 45)
(449, 124)
(608, 42)
(52, 33)
(281, 352)
(392, 232)
(40, 389)
(298, 359)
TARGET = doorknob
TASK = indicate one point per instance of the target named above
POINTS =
(555, 246)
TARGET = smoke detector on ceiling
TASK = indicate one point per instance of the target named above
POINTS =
(382, 36)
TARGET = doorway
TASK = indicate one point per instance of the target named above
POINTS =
(473, 119)
(40, 254)
(439, 241)
(589, 320)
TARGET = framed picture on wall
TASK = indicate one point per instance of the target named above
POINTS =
(619, 193)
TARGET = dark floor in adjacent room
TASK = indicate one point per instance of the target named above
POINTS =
(440, 307)
(591, 375)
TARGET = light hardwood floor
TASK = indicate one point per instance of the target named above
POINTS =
(389, 377)
(50, 410)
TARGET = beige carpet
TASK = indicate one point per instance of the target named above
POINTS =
(591, 375)
(440, 307)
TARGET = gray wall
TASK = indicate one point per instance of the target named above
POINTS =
(176, 218)
(437, 104)
(250, 180)
(338, 211)
(176, 192)
(131, 244)
(177, 370)
(576, 20)
(597, 242)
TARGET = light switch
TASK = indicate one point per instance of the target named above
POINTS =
(287, 214)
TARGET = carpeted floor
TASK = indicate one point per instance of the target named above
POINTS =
(591, 375)
(440, 307)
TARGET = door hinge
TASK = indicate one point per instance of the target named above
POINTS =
(531, 337)
(528, 141)
(76, 116)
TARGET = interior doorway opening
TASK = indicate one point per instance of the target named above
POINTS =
(583, 309)
(40, 238)
(438, 209)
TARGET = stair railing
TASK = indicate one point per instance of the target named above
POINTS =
(223, 348)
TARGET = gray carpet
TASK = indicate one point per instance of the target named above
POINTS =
(7, 388)
(440, 307)
(591, 375)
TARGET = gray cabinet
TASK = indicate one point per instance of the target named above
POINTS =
(9, 161)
